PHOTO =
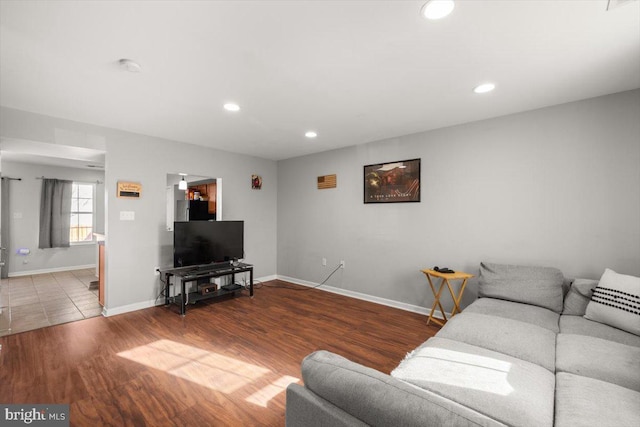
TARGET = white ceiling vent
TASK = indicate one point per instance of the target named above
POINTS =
(617, 3)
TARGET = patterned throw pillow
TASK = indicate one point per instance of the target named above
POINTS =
(616, 302)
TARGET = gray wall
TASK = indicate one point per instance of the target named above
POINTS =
(558, 186)
(24, 219)
(136, 248)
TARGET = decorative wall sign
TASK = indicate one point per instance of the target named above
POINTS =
(327, 181)
(132, 190)
(392, 182)
(256, 182)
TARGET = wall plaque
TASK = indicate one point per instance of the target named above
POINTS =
(131, 190)
(327, 181)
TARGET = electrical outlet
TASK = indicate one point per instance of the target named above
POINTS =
(156, 271)
(324, 262)
(341, 263)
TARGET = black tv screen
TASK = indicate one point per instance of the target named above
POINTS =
(206, 242)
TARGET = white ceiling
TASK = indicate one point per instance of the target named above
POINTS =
(40, 153)
(354, 71)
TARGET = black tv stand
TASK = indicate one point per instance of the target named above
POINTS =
(206, 271)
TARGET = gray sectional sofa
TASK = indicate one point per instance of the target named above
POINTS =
(523, 354)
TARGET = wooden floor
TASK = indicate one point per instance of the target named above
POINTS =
(226, 363)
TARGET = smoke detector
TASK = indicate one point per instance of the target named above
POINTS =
(129, 65)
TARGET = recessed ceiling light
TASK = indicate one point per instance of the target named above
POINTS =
(231, 107)
(437, 9)
(130, 65)
(311, 134)
(484, 88)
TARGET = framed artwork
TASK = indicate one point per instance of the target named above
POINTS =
(256, 182)
(393, 182)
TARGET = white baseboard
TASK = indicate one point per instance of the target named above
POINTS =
(129, 307)
(358, 295)
(266, 278)
(51, 270)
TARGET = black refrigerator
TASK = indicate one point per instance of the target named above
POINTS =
(193, 210)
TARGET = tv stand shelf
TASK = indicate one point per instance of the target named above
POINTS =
(183, 275)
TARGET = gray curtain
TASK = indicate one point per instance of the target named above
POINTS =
(5, 242)
(55, 213)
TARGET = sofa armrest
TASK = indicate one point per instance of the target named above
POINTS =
(307, 409)
(379, 399)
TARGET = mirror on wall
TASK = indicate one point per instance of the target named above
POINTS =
(193, 198)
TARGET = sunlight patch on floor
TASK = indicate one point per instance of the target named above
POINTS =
(264, 395)
(208, 369)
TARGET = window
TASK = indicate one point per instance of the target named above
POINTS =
(82, 207)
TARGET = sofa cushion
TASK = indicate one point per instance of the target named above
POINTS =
(582, 401)
(616, 302)
(379, 399)
(575, 303)
(580, 326)
(599, 359)
(535, 315)
(512, 337)
(541, 286)
(502, 387)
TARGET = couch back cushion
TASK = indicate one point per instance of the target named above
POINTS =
(575, 303)
(616, 302)
(541, 286)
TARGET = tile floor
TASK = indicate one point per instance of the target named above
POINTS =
(32, 302)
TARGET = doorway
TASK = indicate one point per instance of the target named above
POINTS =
(49, 286)
(193, 197)
(178, 205)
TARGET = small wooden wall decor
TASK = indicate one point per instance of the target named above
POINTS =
(131, 190)
(327, 181)
(256, 182)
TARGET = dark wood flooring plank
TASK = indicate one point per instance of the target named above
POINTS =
(226, 363)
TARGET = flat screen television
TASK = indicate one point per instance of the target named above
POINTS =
(206, 242)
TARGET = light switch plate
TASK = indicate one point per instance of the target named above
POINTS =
(127, 216)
